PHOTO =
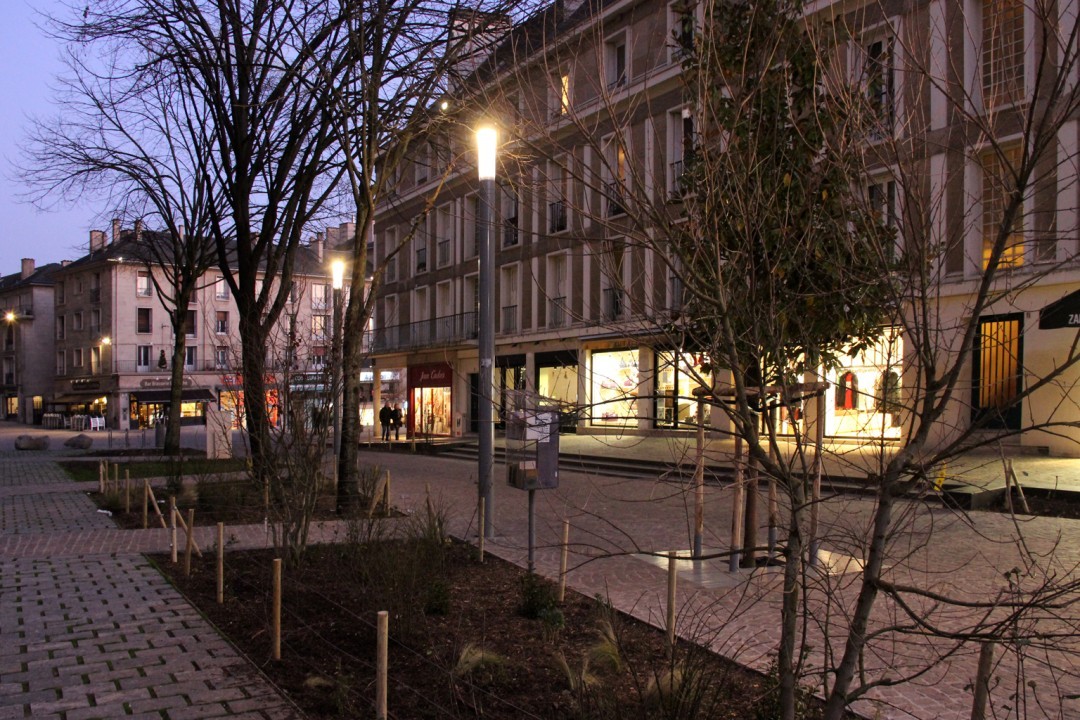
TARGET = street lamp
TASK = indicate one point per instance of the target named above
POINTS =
(337, 274)
(486, 141)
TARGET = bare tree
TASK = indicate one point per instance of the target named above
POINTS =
(139, 142)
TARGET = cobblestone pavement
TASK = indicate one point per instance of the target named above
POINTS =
(621, 530)
(89, 629)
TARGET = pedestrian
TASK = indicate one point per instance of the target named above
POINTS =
(386, 416)
(396, 417)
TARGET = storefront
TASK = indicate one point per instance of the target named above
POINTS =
(614, 379)
(863, 399)
(509, 379)
(678, 374)
(146, 408)
(430, 407)
(557, 383)
(231, 398)
(11, 407)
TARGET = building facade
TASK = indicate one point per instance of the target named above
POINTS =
(26, 308)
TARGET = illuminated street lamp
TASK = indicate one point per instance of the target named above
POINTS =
(9, 316)
(486, 143)
(337, 274)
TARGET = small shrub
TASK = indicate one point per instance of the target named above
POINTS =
(481, 667)
(552, 622)
(437, 601)
(538, 596)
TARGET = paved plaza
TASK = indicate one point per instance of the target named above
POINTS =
(89, 629)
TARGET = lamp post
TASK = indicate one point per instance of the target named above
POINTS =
(486, 140)
(337, 274)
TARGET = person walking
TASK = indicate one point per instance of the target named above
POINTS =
(395, 416)
(386, 416)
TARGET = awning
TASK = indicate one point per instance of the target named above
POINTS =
(1062, 313)
(160, 396)
(81, 399)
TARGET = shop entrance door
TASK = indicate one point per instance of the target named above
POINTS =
(431, 410)
(997, 369)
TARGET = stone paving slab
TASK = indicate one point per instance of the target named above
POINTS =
(108, 636)
(619, 527)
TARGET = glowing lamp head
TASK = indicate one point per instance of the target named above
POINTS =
(444, 105)
(9, 316)
(337, 273)
(106, 340)
(487, 139)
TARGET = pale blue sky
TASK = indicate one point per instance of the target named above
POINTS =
(28, 63)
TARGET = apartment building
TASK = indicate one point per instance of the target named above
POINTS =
(26, 306)
(113, 337)
(580, 308)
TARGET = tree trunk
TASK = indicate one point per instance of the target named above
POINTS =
(750, 522)
(256, 418)
(789, 611)
(836, 704)
(352, 355)
(176, 391)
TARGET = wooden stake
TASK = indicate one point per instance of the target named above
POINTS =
(127, 491)
(187, 529)
(145, 503)
(480, 528)
(774, 516)
(672, 577)
(386, 495)
(737, 508)
(982, 681)
(220, 563)
(277, 609)
(190, 541)
(172, 525)
(101, 477)
(116, 478)
(154, 504)
(815, 493)
(380, 664)
(562, 562)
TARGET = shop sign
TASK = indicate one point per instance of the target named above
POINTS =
(1062, 313)
(83, 384)
(161, 382)
(431, 375)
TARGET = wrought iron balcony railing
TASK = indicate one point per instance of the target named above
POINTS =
(441, 330)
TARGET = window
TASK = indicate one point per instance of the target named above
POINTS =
(61, 365)
(615, 187)
(879, 85)
(422, 163)
(614, 387)
(421, 244)
(881, 200)
(142, 284)
(615, 52)
(997, 194)
(221, 289)
(683, 140)
(1002, 52)
(95, 360)
(560, 86)
(78, 285)
(320, 296)
(221, 357)
(77, 358)
(678, 374)
(60, 293)
(508, 290)
(77, 321)
(143, 320)
(511, 235)
(681, 18)
(560, 180)
(294, 292)
(60, 327)
(221, 322)
(191, 357)
(142, 358)
(192, 323)
(556, 281)
(320, 326)
(318, 356)
(95, 320)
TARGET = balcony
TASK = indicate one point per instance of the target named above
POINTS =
(421, 260)
(612, 304)
(436, 331)
(557, 312)
(557, 216)
(613, 192)
(509, 319)
(444, 253)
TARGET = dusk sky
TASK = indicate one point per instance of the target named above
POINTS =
(29, 61)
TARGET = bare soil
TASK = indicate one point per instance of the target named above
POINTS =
(460, 646)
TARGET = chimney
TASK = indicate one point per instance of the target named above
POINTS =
(138, 230)
(116, 230)
(65, 263)
(27, 267)
(345, 232)
(317, 246)
(97, 240)
(181, 231)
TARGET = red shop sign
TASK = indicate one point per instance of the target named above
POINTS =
(431, 375)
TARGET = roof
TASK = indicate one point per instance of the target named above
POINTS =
(41, 276)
